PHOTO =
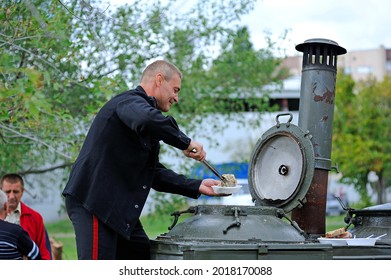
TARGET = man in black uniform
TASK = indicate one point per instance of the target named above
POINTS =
(15, 242)
(119, 164)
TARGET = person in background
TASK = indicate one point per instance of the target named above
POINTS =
(119, 163)
(19, 213)
(15, 242)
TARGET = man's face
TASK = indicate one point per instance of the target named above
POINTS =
(14, 191)
(168, 93)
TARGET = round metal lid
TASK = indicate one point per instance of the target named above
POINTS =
(282, 166)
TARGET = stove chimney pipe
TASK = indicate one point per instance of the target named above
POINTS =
(316, 114)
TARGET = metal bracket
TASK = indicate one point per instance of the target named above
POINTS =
(237, 222)
(176, 215)
(281, 213)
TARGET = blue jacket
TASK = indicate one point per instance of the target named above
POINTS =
(119, 161)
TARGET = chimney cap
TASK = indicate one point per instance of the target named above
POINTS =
(321, 41)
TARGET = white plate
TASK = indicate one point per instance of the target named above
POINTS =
(226, 190)
(334, 241)
(361, 241)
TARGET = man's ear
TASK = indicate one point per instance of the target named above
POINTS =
(159, 78)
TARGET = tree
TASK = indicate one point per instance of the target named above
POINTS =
(361, 134)
(61, 60)
(233, 83)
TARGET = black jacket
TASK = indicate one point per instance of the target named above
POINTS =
(119, 161)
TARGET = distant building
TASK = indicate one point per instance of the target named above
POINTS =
(361, 64)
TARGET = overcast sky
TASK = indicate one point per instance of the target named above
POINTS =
(353, 24)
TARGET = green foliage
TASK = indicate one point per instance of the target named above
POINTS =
(37, 67)
(361, 134)
(62, 60)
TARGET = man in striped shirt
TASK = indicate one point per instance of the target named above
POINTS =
(15, 243)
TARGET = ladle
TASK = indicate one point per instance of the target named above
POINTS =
(211, 168)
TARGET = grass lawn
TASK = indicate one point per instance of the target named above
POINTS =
(62, 231)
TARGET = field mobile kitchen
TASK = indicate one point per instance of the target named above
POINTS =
(288, 177)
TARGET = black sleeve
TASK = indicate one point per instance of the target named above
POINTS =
(167, 180)
(28, 247)
(137, 114)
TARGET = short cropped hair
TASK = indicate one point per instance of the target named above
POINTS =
(168, 69)
(12, 178)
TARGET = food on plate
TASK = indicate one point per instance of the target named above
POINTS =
(335, 232)
(347, 234)
(338, 233)
(229, 180)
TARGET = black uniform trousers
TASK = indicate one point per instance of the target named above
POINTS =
(96, 241)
